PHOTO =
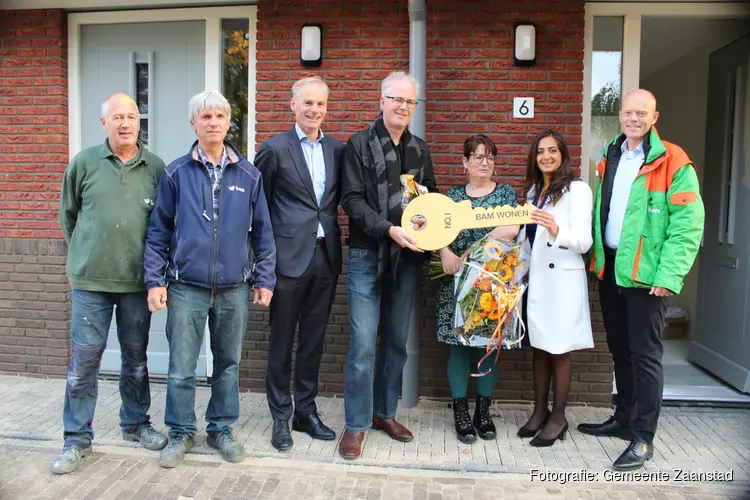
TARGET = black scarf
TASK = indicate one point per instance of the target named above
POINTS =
(389, 166)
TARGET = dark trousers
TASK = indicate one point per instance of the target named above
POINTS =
(634, 321)
(305, 300)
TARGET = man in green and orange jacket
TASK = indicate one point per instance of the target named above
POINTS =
(648, 225)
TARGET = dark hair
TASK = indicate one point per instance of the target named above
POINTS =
(561, 178)
(475, 141)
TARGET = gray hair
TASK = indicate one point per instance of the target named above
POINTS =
(208, 99)
(385, 86)
(304, 81)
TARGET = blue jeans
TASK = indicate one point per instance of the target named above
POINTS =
(187, 309)
(373, 298)
(91, 318)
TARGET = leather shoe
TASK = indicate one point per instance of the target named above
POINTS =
(350, 446)
(636, 454)
(540, 442)
(609, 428)
(312, 425)
(282, 437)
(393, 429)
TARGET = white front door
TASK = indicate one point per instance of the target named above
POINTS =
(161, 65)
(722, 335)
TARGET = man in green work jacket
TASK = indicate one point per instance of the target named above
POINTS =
(107, 195)
(648, 224)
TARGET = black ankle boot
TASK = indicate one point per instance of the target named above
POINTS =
(482, 420)
(464, 429)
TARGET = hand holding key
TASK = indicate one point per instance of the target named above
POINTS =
(433, 220)
(404, 239)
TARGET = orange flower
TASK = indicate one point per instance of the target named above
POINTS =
(493, 265)
(484, 284)
(486, 302)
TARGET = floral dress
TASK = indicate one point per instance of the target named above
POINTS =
(503, 194)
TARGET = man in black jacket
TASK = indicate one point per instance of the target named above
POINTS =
(383, 261)
(301, 177)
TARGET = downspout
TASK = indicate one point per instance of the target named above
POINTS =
(417, 68)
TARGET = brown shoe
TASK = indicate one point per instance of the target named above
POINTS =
(393, 429)
(350, 446)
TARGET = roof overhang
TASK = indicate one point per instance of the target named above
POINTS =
(99, 5)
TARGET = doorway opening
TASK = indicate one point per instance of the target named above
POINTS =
(674, 66)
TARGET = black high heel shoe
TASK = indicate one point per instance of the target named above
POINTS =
(526, 432)
(543, 443)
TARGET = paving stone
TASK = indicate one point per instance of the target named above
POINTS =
(435, 466)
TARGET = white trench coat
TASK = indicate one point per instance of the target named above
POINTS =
(558, 314)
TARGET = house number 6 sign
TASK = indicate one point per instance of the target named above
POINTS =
(523, 107)
(434, 220)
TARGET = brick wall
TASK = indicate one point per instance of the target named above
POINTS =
(34, 293)
(471, 85)
(33, 121)
(34, 306)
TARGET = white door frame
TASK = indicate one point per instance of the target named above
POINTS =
(212, 18)
(632, 14)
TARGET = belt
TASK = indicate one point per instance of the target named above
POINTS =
(320, 242)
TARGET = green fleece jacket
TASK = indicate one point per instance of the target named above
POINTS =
(663, 219)
(105, 206)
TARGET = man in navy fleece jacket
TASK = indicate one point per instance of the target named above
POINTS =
(210, 212)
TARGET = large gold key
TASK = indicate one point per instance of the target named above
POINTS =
(435, 220)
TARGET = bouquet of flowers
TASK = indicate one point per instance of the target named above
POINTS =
(488, 291)
(410, 189)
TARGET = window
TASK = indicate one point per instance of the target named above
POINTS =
(234, 81)
(141, 99)
(606, 85)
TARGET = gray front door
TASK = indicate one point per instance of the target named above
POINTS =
(161, 65)
(722, 337)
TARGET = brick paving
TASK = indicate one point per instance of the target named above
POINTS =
(434, 466)
(121, 473)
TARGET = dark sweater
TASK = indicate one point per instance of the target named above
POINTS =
(104, 212)
(359, 196)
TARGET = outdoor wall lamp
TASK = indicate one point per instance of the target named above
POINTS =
(525, 45)
(311, 46)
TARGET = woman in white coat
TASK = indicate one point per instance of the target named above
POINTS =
(557, 305)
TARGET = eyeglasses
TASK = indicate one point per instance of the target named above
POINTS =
(481, 158)
(400, 101)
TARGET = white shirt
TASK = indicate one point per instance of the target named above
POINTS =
(627, 171)
(315, 160)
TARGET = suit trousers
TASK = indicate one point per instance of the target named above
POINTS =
(306, 300)
(634, 321)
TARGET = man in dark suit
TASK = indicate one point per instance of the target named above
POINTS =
(301, 177)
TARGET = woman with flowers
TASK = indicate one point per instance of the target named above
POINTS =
(479, 164)
(556, 301)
